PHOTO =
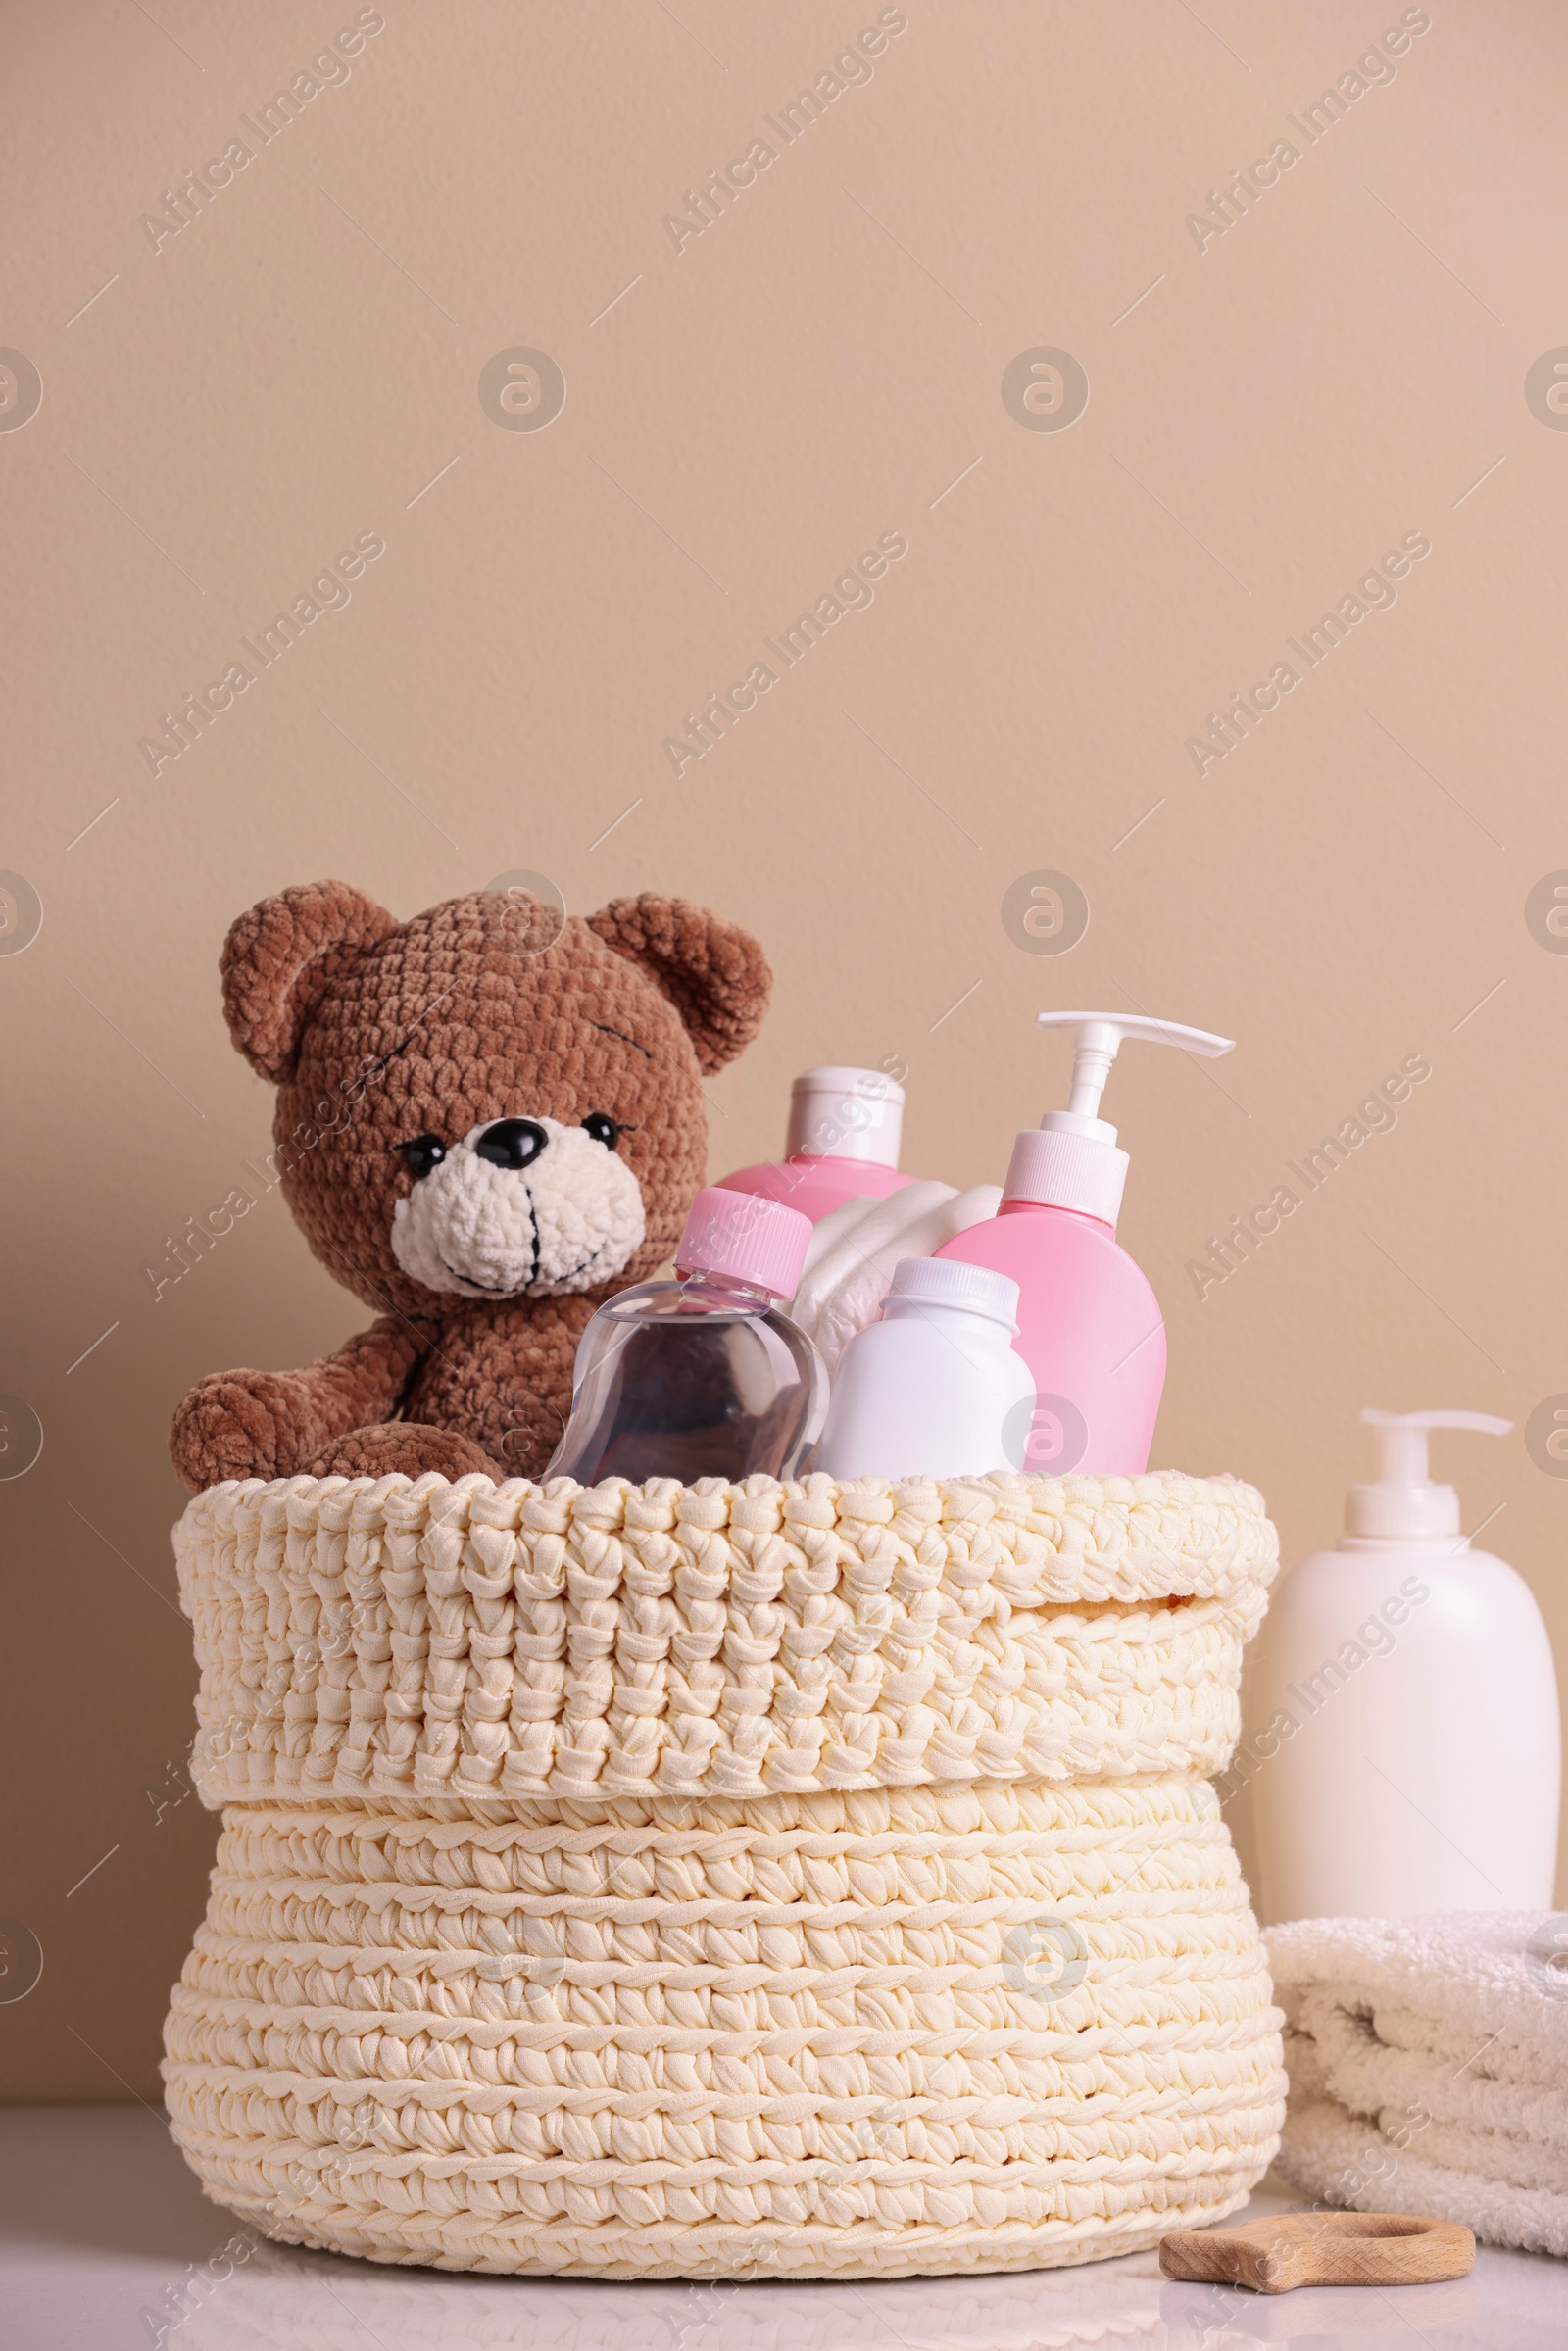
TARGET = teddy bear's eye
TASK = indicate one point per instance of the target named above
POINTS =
(420, 1154)
(602, 1128)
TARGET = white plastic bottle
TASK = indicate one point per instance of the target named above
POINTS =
(934, 1388)
(1405, 1754)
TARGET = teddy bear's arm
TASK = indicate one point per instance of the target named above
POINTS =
(270, 1424)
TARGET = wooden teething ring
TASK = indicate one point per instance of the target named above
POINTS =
(1321, 2248)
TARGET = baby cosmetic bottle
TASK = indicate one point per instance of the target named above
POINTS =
(703, 1377)
(933, 1389)
(842, 1143)
(1089, 1325)
(1405, 1754)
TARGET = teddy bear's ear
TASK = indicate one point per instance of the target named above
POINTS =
(279, 959)
(714, 974)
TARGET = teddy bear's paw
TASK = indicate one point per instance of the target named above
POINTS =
(410, 1446)
(243, 1424)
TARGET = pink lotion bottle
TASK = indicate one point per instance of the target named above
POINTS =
(1089, 1325)
(842, 1143)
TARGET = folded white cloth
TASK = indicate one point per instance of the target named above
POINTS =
(1429, 2068)
(849, 1262)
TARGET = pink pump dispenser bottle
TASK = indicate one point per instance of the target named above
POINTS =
(842, 1143)
(1089, 1325)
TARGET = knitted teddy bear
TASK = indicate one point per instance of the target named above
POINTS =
(489, 1120)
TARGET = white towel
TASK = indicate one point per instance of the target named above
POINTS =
(849, 1262)
(1429, 2068)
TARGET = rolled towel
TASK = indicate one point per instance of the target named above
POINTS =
(849, 1262)
(1429, 2068)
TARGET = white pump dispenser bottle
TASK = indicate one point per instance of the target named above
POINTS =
(1405, 1753)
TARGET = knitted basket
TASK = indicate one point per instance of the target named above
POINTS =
(759, 1880)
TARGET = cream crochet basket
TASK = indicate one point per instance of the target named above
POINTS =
(752, 1879)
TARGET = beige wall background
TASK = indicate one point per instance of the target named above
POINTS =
(226, 407)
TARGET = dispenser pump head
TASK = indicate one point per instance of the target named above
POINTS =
(1071, 1159)
(1403, 1502)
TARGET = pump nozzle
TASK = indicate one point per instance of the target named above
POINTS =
(1101, 1034)
(1403, 1501)
(1071, 1160)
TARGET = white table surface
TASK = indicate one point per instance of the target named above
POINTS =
(104, 2233)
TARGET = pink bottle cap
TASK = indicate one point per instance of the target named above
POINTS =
(748, 1239)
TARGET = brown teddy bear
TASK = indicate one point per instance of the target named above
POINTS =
(489, 1120)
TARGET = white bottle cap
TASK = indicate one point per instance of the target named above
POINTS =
(838, 1113)
(950, 1282)
(1404, 1503)
(1071, 1159)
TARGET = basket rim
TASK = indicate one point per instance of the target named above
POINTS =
(1160, 1536)
(366, 1637)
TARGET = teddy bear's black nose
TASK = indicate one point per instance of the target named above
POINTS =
(512, 1143)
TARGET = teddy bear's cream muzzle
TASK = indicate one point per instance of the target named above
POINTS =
(570, 1220)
